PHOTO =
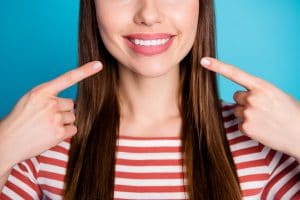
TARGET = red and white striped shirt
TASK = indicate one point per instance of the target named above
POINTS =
(150, 168)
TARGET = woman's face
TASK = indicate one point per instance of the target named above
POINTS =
(148, 37)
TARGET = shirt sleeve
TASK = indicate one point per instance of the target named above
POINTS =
(22, 182)
(284, 182)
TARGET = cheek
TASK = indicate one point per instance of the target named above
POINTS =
(105, 24)
(186, 21)
(187, 14)
(109, 22)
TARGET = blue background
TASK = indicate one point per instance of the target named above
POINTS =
(38, 41)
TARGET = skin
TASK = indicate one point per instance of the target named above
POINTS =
(41, 120)
(148, 84)
(268, 115)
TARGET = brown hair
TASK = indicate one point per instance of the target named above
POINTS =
(211, 172)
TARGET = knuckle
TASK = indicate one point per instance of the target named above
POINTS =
(247, 114)
(251, 100)
(37, 90)
(244, 127)
(60, 133)
(73, 118)
(247, 128)
(56, 119)
(71, 130)
(70, 103)
(70, 118)
(235, 96)
(51, 104)
(65, 104)
(236, 110)
(33, 95)
(74, 131)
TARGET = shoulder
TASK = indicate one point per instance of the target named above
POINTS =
(55, 157)
(243, 148)
(230, 120)
(263, 172)
(38, 176)
(250, 156)
(239, 143)
(52, 166)
(53, 160)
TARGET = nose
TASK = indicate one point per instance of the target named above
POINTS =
(148, 12)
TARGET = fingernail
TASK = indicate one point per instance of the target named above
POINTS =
(205, 62)
(97, 65)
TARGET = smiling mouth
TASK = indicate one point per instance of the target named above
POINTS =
(157, 42)
(149, 44)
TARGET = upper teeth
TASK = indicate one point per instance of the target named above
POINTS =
(150, 42)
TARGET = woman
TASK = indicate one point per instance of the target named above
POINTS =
(150, 125)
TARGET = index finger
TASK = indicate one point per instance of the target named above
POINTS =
(72, 77)
(236, 75)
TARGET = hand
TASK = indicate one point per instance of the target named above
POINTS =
(40, 119)
(268, 114)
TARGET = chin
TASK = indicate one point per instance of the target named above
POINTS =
(150, 71)
(153, 74)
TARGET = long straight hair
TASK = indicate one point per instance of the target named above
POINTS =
(210, 169)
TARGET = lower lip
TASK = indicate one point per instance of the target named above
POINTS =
(149, 50)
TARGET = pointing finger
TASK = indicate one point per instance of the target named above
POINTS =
(72, 77)
(236, 75)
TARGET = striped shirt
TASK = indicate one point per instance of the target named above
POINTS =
(150, 168)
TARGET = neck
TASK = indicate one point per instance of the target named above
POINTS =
(149, 98)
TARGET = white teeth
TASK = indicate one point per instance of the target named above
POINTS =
(150, 42)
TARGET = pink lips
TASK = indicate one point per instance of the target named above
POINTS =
(149, 50)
